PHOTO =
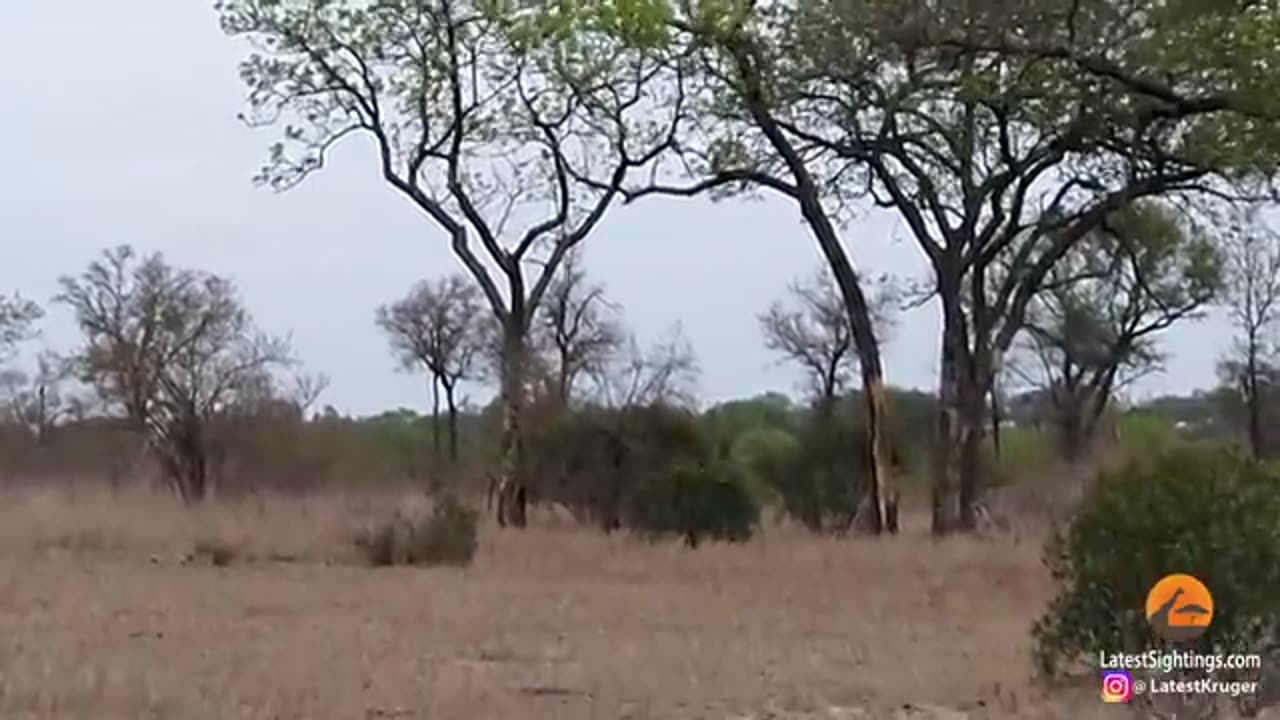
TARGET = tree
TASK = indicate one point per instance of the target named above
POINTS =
(17, 320)
(306, 391)
(579, 327)
(437, 326)
(739, 143)
(1253, 304)
(17, 325)
(815, 334)
(481, 118)
(1003, 135)
(1092, 328)
(663, 374)
(171, 349)
(645, 430)
(37, 401)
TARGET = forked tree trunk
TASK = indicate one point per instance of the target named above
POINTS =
(965, 383)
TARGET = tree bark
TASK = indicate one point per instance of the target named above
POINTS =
(187, 465)
(453, 423)
(997, 417)
(877, 487)
(946, 431)
(1071, 431)
(512, 493)
(867, 348)
(972, 431)
(435, 415)
(1253, 401)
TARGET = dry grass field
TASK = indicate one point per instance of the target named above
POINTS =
(114, 607)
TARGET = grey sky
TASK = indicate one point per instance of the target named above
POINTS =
(118, 125)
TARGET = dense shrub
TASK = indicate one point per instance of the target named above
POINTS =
(762, 455)
(577, 460)
(446, 536)
(1197, 509)
(695, 501)
(823, 481)
(654, 469)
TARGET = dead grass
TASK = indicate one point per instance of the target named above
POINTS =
(101, 617)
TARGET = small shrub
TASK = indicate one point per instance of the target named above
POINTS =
(1210, 512)
(445, 537)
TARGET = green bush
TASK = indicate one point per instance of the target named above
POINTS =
(1206, 511)
(823, 481)
(762, 455)
(695, 501)
(447, 536)
(654, 470)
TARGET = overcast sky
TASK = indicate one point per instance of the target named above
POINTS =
(118, 125)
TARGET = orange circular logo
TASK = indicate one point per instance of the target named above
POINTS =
(1179, 608)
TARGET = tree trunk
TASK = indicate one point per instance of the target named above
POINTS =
(971, 433)
(187, 465)
(512, 493)
(1071, 431)
(867, 348)
(435, 416)
(996, 419)
(453, 424)
(855, 302)
(1253, 401)
(563, 382)
(877, 487)
(946, 439)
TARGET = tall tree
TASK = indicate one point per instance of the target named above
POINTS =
(483, 117)
(1004, 134)
(738, 143)
(437, 326)
(172, 349)
(1253, 304)
(1093, 327)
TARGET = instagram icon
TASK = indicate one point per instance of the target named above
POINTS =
(1117, 686)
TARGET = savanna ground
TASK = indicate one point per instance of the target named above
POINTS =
(125, 605)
